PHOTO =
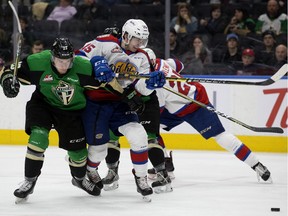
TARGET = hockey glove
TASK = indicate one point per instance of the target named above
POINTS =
(102, 71)
(156, 80)
(113, 31)
(133, 100)
(9, 89)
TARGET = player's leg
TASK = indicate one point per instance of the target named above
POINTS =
(96, 124)
(137, 138)
(167, 158)
(150, 119)
(167, 122)
(37, 144)
(73, 140)
(126, 123)
(232, 144)
(110, 181)
(38, 124)
(209, 125)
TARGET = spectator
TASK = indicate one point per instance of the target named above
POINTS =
(232, 53)
(90, 10)
(28, 36)
(38, 10)
(184, 22)
(273, 19)
(64, 11)
(280, 56)
(265, 52)
(241, 23)
(195, 59)
(37, 46)
(5, 45)
(216, 23)
(176, 47)
(4, 41)
(249, 67)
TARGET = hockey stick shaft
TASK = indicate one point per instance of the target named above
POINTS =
(256, 129)
(278, 75)
(19, 42)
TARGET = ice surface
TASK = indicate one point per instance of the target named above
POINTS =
(207, 183)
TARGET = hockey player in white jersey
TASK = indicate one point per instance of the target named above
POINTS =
(150, 119)
(106, 111)
(176, 110)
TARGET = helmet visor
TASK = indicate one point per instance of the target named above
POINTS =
(141, 43)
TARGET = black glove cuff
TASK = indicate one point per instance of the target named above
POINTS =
(5, 76)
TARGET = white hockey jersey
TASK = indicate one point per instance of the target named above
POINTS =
(174, 103)
(120, 60)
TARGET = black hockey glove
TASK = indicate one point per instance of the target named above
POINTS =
(113, 31)
(9, 89)
(133, 100)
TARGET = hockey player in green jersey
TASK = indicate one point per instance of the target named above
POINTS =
(60, 79)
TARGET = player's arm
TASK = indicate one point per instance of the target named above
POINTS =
(156, 79)
(11, 89)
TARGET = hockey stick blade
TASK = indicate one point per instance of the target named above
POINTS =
(277, 76)
(256, 129)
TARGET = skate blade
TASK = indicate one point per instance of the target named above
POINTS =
(152, 176)
(146, 198)
(163, 189)
(269, 180)
(110, 187)
(21, 200)
(171, 175)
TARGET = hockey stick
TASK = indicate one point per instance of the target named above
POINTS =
(19, 42)
(256, 129)
(277, 76)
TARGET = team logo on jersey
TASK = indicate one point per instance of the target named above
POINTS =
(124, 67)
(116, 49)
(48, 78)
(99, 136)
(64, 91)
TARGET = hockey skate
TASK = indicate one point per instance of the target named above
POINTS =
(152, 175)
(110, 181)
(262, 172)
(87, 185)
(25, 190)
(169, 165)
(95, 178)
(142, 187)
(162, 183)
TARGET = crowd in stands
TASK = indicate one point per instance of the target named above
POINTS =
(221, 37)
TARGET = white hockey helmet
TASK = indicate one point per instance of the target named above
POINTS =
(136, 28)
(151, 55)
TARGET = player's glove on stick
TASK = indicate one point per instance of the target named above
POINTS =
(102, 71)
(156, 80)
(113, 31)
(9, 89)
(133, 100)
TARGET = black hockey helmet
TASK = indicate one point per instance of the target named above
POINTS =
(62, 48)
